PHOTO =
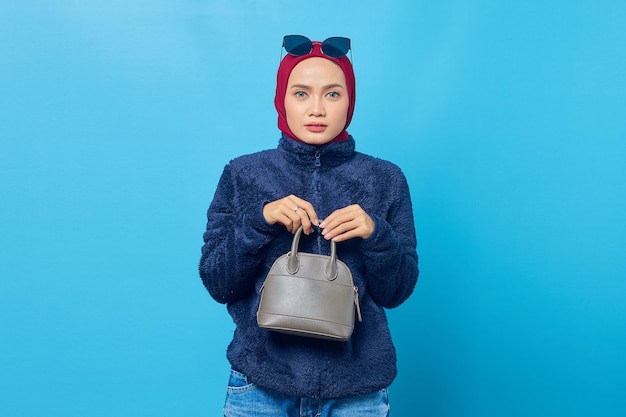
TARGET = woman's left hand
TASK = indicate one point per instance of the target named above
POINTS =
(347, 223)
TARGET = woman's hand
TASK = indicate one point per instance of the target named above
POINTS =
(292, 212)
(347, 223)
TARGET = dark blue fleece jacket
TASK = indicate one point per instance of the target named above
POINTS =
(240, 247)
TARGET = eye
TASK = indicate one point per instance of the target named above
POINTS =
(300, 94)
(333, 94)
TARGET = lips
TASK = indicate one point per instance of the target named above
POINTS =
(315, 127)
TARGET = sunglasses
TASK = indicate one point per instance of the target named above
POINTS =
(298, 45)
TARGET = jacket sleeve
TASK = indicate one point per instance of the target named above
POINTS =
(390, 253)
(235, 237)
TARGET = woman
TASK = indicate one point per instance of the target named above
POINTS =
(314, 179)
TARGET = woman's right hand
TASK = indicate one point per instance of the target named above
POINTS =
(292, 212)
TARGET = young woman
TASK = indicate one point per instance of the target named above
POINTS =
(314, 179)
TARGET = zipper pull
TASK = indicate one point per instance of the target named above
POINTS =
(317, 159)
(356, 303)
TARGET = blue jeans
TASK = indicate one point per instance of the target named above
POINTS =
(244, 399)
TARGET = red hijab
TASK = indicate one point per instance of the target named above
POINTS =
(284, 70)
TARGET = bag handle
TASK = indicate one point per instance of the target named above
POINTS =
(293, 264)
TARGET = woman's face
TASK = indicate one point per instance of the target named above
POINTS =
(316, 103)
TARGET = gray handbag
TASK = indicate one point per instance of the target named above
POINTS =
(309, 295)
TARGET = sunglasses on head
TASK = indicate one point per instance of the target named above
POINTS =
(298, 45)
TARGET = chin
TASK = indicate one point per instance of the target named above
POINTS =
(315, 139)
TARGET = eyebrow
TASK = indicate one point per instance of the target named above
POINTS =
(326, 87)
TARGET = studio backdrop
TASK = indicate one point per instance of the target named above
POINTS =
(507, 118)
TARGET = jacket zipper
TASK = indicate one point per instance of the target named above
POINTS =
(316, 184)
(316, 189)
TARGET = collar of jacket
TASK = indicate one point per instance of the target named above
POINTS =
(328, 155)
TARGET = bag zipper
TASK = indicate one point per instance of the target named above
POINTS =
(356, 302)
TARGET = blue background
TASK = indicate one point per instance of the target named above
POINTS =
(117, 117)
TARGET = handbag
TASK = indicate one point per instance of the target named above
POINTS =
(309, 295)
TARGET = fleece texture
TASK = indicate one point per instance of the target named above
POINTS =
(240, 247)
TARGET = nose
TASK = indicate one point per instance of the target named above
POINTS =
(317, 107)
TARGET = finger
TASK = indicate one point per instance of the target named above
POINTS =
(347, 223)
(345, 236)
(291, 212)
(304, 221)
(296, 217)
(336, 219)
(332, 231)
(343, 215)
(306, 213)
(306, 208)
